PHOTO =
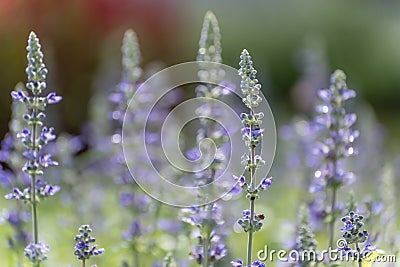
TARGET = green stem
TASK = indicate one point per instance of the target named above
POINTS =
(33, 185)
(359, 255)
(34, 210)
(206, 260)
(252, 199)
(333, 219)
(207, 237)
(83, 263)
(136, 258)
(250, 234)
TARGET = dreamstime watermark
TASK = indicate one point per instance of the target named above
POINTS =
(331, 255)
(156, 179)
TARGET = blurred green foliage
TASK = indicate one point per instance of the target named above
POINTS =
(359, 37)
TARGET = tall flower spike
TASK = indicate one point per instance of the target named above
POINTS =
(252, 134)
(249, 83)
(355, 236)
(131, 73)
(131, 197)
(305, 240)
(131, 57)
(337, 141)
(84, 248)
(210, 40)
(36, 69)
(34, 139)
(210, 247)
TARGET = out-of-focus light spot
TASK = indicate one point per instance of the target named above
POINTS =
(116, 115)
(116, 138)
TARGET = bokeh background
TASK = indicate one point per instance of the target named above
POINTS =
(361, 38)
(295, 45)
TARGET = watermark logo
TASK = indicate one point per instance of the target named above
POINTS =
(341, 254)
(157, 168)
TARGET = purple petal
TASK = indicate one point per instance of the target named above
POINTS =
(265, 183)
(18, 96)
(349, 120)
(348, 93)
(237, 263)
(52, 98)
(325, 95)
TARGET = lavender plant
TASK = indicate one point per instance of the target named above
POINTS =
(252, 135)
(208, 219)
(354, 234)
(143, 212)
(305, 240)
(336, 144)
(124, 91)
(34, 139)
(83, 247)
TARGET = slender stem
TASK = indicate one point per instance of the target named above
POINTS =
(335, 160)
(207, 236)
(252, 199)
(136, 258)
(250, 235)
(34, 210)
(333, 219)
(33, 183)
(206, 259)
(359, 255)
(83, 263)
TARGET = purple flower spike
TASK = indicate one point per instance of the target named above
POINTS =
(237, 263)
(52, 98)
(336, 134)
(265, 183)
(37, 252)
(83, 248)
(18, 96)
